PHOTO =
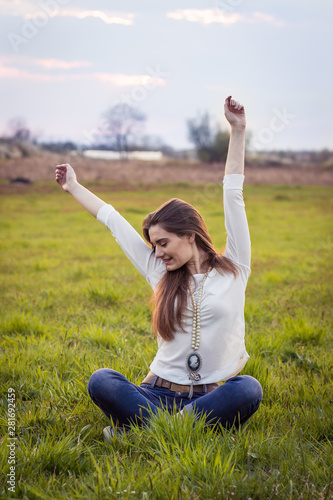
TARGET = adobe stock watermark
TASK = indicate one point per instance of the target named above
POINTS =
(204, 195)
(227, 5)
(154, 78)
(223, 7)
(32, 24)
(11, 438)
(280, 120)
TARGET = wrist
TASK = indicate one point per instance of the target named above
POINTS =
(73, 185)
(238, 128)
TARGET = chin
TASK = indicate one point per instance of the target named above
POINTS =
(173, 267)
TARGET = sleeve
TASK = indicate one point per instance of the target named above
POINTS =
(238, 247)
(133, 245)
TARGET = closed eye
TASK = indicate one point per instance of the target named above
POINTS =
(159, 243)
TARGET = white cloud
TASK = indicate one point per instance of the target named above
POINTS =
(32, 10)
(205, 16)
(121, 80)
(108, 18)
(216, 15)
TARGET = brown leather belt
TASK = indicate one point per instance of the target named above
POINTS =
(166, 384)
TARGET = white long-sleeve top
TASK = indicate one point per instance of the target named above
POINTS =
(222, 347)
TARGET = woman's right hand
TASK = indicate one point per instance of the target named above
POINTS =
(65, 176)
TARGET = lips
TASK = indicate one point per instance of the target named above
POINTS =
(166, 261)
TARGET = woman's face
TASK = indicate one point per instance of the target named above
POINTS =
(174, 250)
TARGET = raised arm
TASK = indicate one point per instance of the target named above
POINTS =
(66, 177)
(238, 246)
(139, 253)
(235, 114)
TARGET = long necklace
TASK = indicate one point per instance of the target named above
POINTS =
(193, 359)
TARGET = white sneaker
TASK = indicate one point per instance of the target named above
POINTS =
(109, 433)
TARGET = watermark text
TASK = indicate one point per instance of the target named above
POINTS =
(11, 445)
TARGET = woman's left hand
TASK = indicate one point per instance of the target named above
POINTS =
(234, 113)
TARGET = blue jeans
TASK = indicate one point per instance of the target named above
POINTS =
(232, 403)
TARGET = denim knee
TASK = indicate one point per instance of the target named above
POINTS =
(248, 386)
(96, 381)
(253, 387)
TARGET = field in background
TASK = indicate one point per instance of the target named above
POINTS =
(71, 303)
(41, 167)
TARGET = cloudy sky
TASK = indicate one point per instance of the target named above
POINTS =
(63, 63)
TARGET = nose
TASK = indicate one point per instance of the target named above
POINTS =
(159, 252)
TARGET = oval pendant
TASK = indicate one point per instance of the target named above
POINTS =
(193, 362)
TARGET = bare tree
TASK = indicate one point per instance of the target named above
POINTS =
(200, 131)
(18, 129)
(122, 124)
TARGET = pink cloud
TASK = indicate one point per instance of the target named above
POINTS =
(59, 64)
(117, 79)
(12, 73)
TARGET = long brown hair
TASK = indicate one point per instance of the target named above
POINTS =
(170, 297)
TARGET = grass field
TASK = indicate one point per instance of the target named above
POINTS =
(71, 303)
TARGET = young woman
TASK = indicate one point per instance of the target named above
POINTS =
(199, 304)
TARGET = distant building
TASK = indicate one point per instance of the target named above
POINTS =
(132, 155)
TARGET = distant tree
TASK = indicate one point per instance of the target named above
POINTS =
(121, 125)
(169, 151)
(19, 136)
(211, 143)
(19, 132)
(324, 155)
(59, 147)
(200, 133)
(18, 129)
(220, 146)
(151, 143)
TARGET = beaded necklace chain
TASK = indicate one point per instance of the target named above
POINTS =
(193, 359)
